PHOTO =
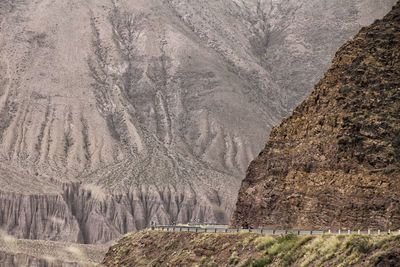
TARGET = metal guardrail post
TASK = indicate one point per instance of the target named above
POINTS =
(264, 231)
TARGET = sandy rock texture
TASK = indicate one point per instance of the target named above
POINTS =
(40, 253)
(334, 162)
(114, 114)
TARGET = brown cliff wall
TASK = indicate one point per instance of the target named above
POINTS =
(335, 162)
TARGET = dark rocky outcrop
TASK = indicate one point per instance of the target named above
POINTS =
(335, 161)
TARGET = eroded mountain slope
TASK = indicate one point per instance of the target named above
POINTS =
(114, 114)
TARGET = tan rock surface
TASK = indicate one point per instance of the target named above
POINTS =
(19, 252)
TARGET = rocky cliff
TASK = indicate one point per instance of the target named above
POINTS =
(114, 114)
(335, 161)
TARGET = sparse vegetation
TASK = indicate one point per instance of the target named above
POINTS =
(248, 240)
(224, 246)
(264, 242)
(261, 262)
(171, 245)
(234, 259)
(253, 250)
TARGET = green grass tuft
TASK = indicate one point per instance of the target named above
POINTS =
(261, 262)
(264, 242)
(234, 259)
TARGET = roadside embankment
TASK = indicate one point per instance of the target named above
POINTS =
(163, 248)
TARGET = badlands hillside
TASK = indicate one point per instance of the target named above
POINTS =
(334, 163)
(116, 113)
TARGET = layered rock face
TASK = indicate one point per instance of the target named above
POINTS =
(114, 114)
(335, 161)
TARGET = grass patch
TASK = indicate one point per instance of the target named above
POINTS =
(261, 262)
(357, 243)
(211, 263)
(234, 259)
(385, 241)
(264, 242)
(282, 244)
(203, 260)
(328, 249)
(246, 263)
(353, 250)
(286, 249)
(224, 246)
(172, 245)
(248, 240)
(296, 251)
